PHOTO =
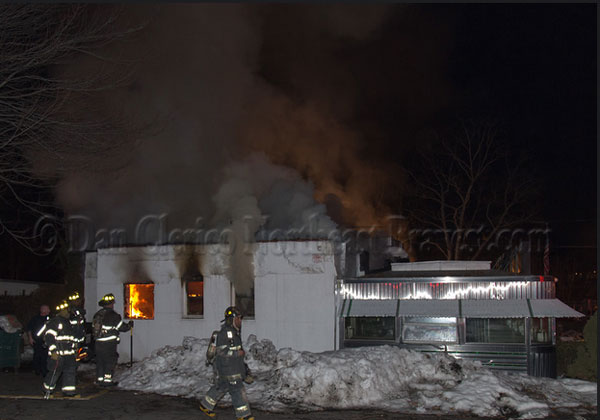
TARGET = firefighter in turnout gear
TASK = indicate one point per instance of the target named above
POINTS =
(106, 325)
(78, 314)
(226, 353)
(63, 336)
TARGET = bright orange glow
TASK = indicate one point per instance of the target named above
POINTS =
(195, 288)
(139, 301)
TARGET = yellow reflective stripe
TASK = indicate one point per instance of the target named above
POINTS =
(65, 338)
(41, 330)
(68, 388)
(112, 337)
(242, 410)
(54, 333)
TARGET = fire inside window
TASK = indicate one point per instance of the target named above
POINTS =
(195, 295)
(139, 301)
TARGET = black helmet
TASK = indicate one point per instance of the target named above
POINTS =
(230, 314)
(107, 299)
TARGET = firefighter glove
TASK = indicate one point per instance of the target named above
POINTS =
(131, 324)
(54, 355)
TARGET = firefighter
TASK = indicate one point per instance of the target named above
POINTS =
(76, 306)
(226, 352)
(63, 337)
(78, 319)
(106, 326)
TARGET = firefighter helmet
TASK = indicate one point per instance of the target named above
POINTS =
(73, 296)
(107, 299)
(232, 312)
(62, 306)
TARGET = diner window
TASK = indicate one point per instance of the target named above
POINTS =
(370, 328)
(194, 295)
(541, 330)
(139, 301)
(429, 330)
(495, 330)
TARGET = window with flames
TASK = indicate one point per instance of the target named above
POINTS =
(194, 295)
(139, 301)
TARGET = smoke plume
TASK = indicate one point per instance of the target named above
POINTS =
(240, 131)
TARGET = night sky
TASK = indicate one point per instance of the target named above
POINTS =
(530, 67)
(340, 96)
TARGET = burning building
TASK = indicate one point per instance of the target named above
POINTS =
(177, 291)
(319, 295)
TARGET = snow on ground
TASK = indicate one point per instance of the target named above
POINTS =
(383, 377)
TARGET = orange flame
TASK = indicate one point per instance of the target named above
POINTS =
(140, 302)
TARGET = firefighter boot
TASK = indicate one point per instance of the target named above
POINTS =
(208, 412)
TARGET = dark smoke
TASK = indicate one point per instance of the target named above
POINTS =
(241, 132)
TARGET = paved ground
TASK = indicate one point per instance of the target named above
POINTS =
(21, 399)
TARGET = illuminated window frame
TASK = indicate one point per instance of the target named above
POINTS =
(414, 325)
(186, 298)
(126, 301)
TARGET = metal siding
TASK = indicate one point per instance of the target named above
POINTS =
(543, 308)
(423, 290)
(542, 361)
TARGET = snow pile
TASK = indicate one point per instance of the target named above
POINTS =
(383, 377)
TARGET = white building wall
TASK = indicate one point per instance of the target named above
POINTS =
(17, 288)
(294, 294)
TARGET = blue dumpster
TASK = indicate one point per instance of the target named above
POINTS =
(10, 349)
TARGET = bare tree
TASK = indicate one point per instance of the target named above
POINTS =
(39, 100)
(466, 192)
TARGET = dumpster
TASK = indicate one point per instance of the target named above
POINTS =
(10, 342)
(10, 349)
